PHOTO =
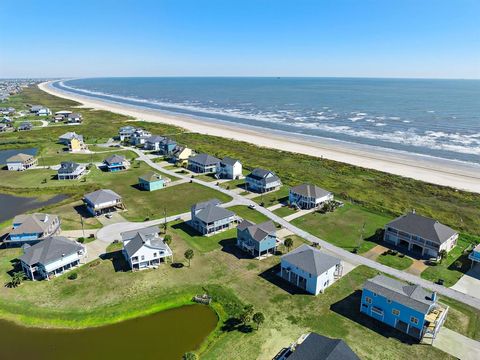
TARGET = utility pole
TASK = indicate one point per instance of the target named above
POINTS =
(83, 230)
(165, 219)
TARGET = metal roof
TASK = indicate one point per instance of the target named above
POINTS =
(411, 296)
(49, 250)
(311, 260)
(423, 226)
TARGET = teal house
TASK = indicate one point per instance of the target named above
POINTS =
(151, 181)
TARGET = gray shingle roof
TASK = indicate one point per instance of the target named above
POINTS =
(204, 159)
(209, 211)
(204, 204)
(151, 176)
(155, 139)
(261, 174)
(309, 190)
(422, 226)
(115, 159)
(311, 260)
(318, 347)
(136, 239)
(258, 232)
(229, 161)
(33, 223)
(102, 196)
(150, 230)
(20, 157)
(70, 135)
(49, 250)
(412, 296)
(67, 167)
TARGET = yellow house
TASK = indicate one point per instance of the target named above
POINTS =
(181, 154)
(76, 145)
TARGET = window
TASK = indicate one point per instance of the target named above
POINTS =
(368, 300)
(389, 301)
(154, 254)
(395, 312)
(374, 294)
(377, 310)
(413, 320)
(143, 257)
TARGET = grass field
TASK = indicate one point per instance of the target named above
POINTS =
(284, 211)
(344, 226)
(274, 197)
(395, 261)
(248, 214)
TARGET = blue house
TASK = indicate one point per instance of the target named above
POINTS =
(116, 163)
(407, 308)
(475, 255)
(29, 229)
(151, 181)
(167, 146)
(258, 239)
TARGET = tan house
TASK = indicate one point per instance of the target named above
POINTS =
(181, 154)
(21, 162)
(76, 144)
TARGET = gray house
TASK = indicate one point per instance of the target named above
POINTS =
(70, 170)
(308, 196)
(420, 234)
(261, 181)
(103, 201)
(259, 239)
(209, 218)
(51, 257)
(203, 163)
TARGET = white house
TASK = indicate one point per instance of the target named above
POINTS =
(229, 169)
(51, 257)
(143, 248)
(309, 269)
(70, 170)
(307, 196)
(21, 162)
(103, 201)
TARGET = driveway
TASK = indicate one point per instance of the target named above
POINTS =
(375, 252)
(457, 345)
(116, 218)
(470, 283)
(298, 214)
(417, 267)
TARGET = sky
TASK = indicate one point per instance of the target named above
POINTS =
(347, 38)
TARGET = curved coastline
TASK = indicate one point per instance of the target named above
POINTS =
(438, 171)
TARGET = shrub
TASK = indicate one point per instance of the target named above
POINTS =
(81, 240)
(72, 276)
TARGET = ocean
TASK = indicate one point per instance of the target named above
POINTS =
(439, 118)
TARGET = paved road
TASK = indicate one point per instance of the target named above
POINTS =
(341, 253)
(457, 345)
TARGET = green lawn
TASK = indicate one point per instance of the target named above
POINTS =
(248, 214)
(343, 227)
(395, 261)
(274, 197)
(232, 184)
(447, 270)
(284, 211)
(206, 177)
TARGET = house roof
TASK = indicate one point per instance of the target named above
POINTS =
(257, 232)
(151, 176)
(68, 167)
(311, 260)
(412, 296)
(204, 159)
(20, 157)
(229, 161)
(309, 190)
(209, 211)
(168, 141)
(33, 223)
(75, 115)
(70, 135)
(150, 230)
(154, 139)
(261, 174)
(102, 196)
(115, 159)
(128, 128)
(63, 112)
(423, 226)
(49, 250)
(318, 347)
(136, 239)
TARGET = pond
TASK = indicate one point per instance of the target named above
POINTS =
(164, 335)
(5, 154)
(11, 205)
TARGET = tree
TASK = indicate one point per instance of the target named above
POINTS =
(247, 313)
(189, 255)
(443, 255)
(189, 356)
(288, 243)
(258, 318)
(167, 239)
(16, 280)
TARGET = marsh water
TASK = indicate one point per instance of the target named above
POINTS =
(12, 205)
(164, 335)
(5, 154)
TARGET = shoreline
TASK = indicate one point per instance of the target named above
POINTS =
(433, 170)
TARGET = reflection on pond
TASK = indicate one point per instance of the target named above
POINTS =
(164, 335)
(5, 154)
(11, 205)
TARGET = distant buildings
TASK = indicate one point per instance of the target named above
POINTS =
(261, 181)
(70, 170)
(74, 118)
(420, 234)
(25, 126)
(32, 228)
(116, 163)
(229, 169)
(307, 196)
(40, 110)
(139, 137)
(126, 132)
(203, 163)
(143, 248)
(209, 218)
(67, 137)
(51, 257)
(151, 181)
(152, 143)
(102, 202)
(310, 269)
(258, 240)
(181, 154)
(407, 308)
(76, 144)
(21, 162)
(317, 347)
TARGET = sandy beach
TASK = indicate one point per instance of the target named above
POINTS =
(429, 169)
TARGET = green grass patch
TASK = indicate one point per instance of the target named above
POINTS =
(248, 214)
(274, 197)
(284, 211)
(395, 261)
